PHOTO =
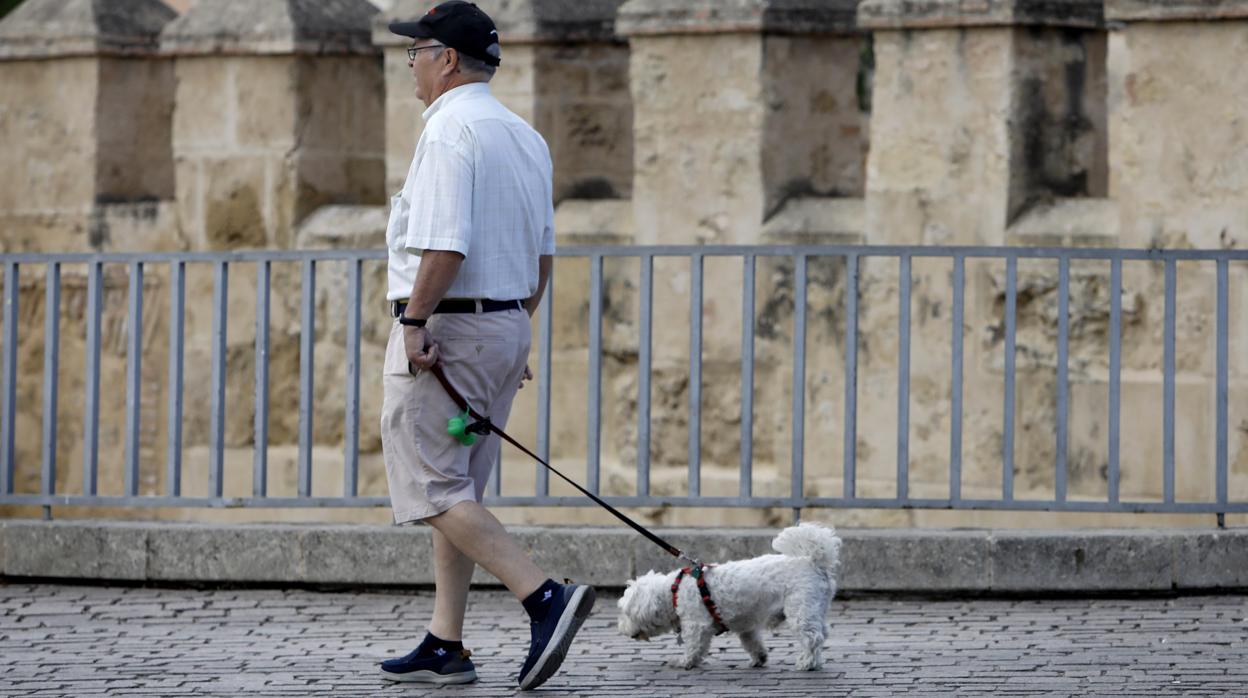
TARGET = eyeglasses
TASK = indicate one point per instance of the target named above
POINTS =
(411, 52)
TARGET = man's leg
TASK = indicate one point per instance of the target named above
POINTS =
(556, 610)
(452, 573)
(479, 536)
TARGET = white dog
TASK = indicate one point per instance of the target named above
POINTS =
(795, 586)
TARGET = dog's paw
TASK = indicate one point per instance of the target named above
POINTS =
(809, 664)
(758, 661)
(684, 663)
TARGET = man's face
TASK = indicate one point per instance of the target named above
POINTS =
(426, 68)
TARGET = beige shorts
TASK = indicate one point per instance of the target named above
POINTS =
(484, 355)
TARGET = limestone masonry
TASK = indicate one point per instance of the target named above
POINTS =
(281, 124)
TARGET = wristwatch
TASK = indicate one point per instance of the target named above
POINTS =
(411, 321)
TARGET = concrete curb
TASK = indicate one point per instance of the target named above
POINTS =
(891, 561)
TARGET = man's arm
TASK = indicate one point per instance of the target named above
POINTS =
(436, 274)
(544, 265)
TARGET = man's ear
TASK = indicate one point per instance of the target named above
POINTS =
(450, 58)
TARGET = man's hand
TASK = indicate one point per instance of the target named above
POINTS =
(528, 376)
(422, 351)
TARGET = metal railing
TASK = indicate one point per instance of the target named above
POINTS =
(800, 258)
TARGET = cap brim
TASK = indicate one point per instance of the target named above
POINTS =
(416, 30)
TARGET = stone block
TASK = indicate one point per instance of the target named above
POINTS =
(134, 115)
(1211, 560)
(1172, 10)
(235, 203)
(43, 29)
(73, 551)
(642, 17)
(242, 27)
(596, 556)
(209, 553)
(341, 104)
(204, 113)
(400, 555)
(1086, 561)
(901, 560)
(327, 179)
(265, 114)
(903, 14)
(46, 126)
(1185, 191)
(923, 172)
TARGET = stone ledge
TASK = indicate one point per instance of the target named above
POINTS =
(40, 29)
(939, 14)
(521, 21)
(660, 17)
(1174, 10)
(1067, 222)
(817, 220)
(246, 27)
(874, 561)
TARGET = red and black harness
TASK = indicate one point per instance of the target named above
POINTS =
(698, 572)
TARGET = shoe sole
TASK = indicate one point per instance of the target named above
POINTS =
(574, 614)
(425, 676)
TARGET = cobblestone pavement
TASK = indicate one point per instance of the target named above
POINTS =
(93, 640)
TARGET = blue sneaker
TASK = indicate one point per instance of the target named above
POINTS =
(443, 668)
(569, 607)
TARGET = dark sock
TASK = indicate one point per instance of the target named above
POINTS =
(538, 603)
(432, 643)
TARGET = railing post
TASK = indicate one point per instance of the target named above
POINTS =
(260, 428)
(216, 448)
(955, 397)
(545, 327)
(1007, 429)
(177, 320)
(8, 450)
(1063, 383)
(745, 488)
(594, 433)
(851, 378)
(351, 434)
(903, 379)
(91, 412)
(134, 378)
(695, 376)
(51, 377)
(797, 482)
(307, 348)
(644, 359)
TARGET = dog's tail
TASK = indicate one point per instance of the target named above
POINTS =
(815, 541)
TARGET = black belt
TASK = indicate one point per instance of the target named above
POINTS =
(461, 305)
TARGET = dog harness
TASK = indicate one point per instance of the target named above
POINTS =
(697, 572)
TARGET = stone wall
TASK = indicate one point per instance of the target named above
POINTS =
(1082, 122)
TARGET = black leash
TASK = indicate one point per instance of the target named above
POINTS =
(483, 422)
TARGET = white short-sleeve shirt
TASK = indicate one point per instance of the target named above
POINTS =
(480, 184)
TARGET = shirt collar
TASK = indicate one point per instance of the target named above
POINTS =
(453, 95)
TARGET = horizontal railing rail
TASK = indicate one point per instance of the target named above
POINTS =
(175, 268)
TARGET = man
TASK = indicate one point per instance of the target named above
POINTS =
(470, 242)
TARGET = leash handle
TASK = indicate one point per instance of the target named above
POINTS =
(462, 404)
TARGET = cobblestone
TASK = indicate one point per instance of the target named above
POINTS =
(125, 641)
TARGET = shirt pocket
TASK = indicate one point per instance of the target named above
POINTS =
(396, 228)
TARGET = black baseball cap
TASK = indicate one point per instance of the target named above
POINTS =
(458, 24)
